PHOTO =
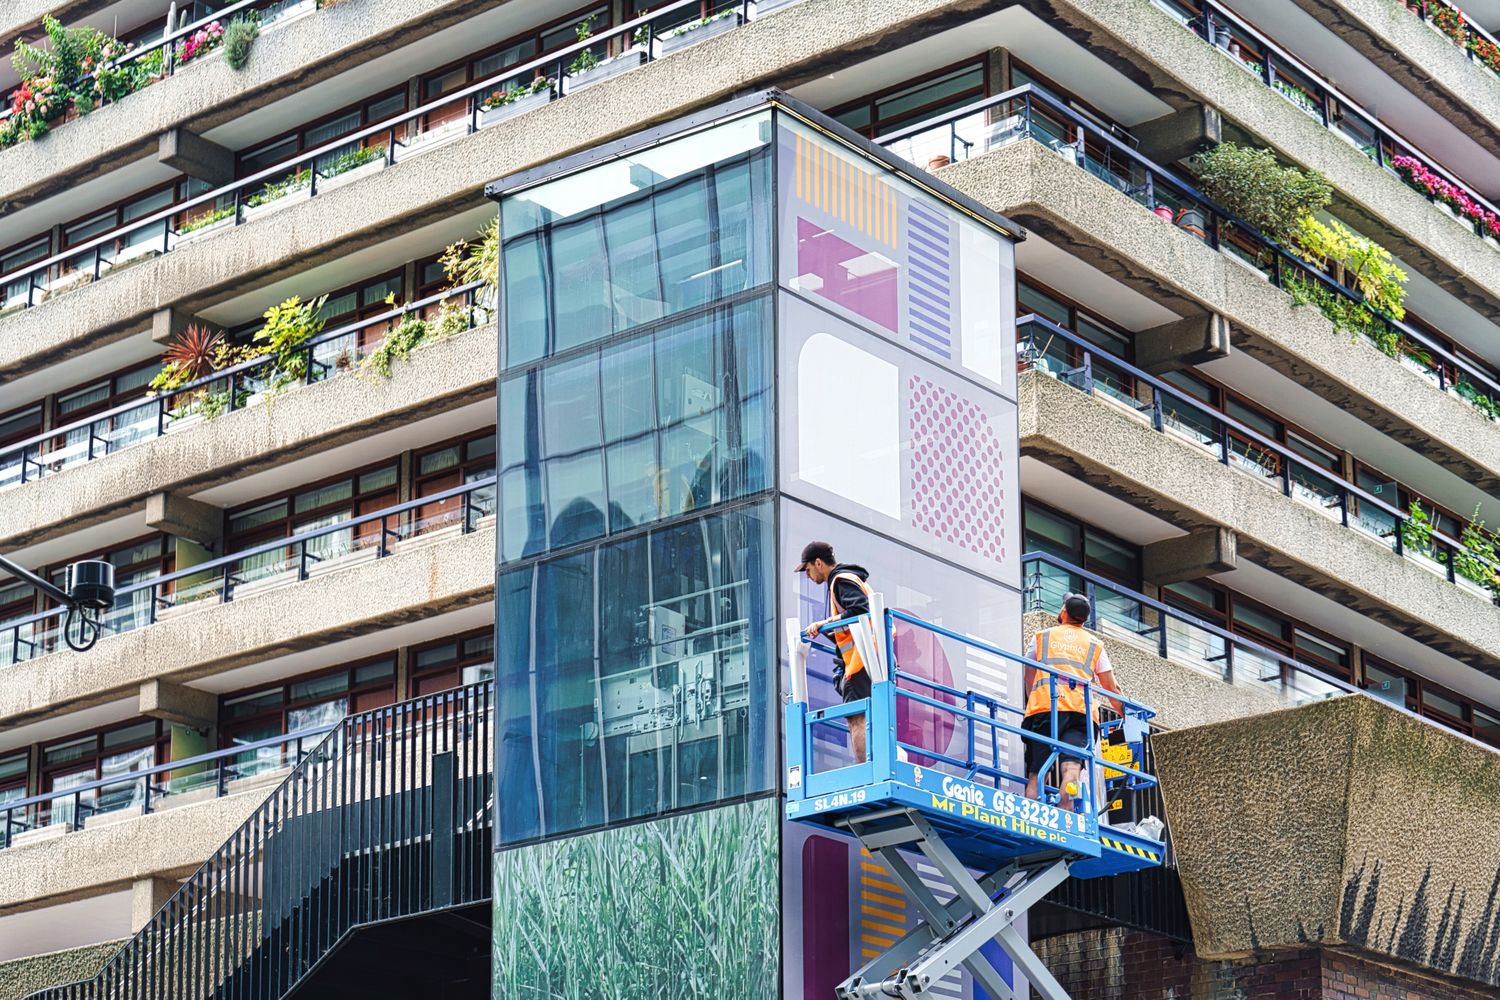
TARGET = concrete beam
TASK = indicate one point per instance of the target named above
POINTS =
(1192, 340)
(1190, 557)
(147, 896)
(1099, 444)
(1344, 823)
(183, 517)
(1180, 134)
(178, 703)
(195, 156)
(168, 324)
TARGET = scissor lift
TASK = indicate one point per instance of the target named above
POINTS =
(957, 813)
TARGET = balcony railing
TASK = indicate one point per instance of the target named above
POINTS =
(1072, 360)
(1029, 112)
(282, 561)
(154, 415)
(151, 787)
(1294, 81)
(570, 69)
(390, 816)
(1185, 638)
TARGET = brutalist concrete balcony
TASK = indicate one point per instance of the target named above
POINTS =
(21, 977)
(302, 421)
(206, 93)
(1118, 451)
(1183, 68)
(1095, 222)
(422, 576)
(1344, 824)
(814, 36)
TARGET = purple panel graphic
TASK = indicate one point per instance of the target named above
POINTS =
(957, 475)
(825, 915)
(929, 280)
(846, 274)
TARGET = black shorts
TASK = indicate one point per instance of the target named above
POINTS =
(1072, 727)
(856, 687)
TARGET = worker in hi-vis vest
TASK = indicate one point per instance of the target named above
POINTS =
(848, 596)
(1072, 649)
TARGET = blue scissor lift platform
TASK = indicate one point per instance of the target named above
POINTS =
(957, 813)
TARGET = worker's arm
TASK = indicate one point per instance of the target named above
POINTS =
(1105, 675)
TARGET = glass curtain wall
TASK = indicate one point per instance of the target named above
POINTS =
(635, 651)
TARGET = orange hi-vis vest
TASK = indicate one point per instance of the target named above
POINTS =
(853, 663)
(1070, 649)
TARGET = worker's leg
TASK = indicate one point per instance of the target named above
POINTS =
(1031, 784)
(857, 737)
(857, 688)
(1071, 769)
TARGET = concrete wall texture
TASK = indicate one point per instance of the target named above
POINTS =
(23, 976)
(1342, 823)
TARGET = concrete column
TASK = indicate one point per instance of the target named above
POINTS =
(184, 518)
(999, 69)
(1198, 554)
(1180, 134)
(195, 156)
(168, 324)
(403, 673)
(1183, 343)
(176, 703)
(409, 277)
(147, 896)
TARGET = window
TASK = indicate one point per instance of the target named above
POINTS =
(121, 430)
(1386, 680)
(448, 467)
(307, 509)
(661, 424)
(692, 229)
(637, 676)
(306, 702)
(1262, 625)
(1056, 356)
(12, 779)
(326, 130)
(13, 293)
(115, 752)
(451, 663)
(910, 102)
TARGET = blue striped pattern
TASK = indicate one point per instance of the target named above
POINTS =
(929, 281)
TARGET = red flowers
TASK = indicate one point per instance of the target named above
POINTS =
(1420, 176)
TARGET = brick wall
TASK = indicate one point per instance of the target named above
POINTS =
(1119, 964)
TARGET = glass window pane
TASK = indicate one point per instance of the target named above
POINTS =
(319, 687)
(142, 207)
(268, 155)
(1385, 683)
(570, 406)
(1487, 726)
(371, 672)
(437, 461)
(1437, 702)
(931, 92)
(378, 111)
(324, 495)
(381, 479)
(244, 706)
(82, 399)
(436, 656)
(72, 750)
(1046, 532)
(309, 716)
(257, 516)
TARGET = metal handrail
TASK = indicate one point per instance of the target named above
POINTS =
(557, 60)
(232, 374)
(1093, 582)
(218, 757)
(1287, 458)
(1282, 261)
(223, 566)
(1202, 26)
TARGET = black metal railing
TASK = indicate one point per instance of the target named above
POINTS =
(388, 817)
(153, 415)
(1305, 89)
(1187, 639)
(373, 535)
(570, 68)
(1069, 358)
(1028, 112)
(148, 788)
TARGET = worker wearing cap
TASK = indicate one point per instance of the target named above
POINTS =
(1069, 648)
(848, 597)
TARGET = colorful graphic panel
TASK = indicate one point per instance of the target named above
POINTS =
(874, 248)
(675, 908)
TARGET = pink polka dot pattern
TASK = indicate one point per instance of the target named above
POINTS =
(957, 477)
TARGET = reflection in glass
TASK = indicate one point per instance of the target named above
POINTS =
(636, 677)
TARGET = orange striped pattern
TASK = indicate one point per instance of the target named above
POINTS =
(836, 185)
(882, 908)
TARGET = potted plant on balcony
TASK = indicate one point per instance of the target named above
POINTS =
(587, 69)
(211, 221)
(508, 102)
(277, 195)
(351, 166)
(1474, 564)
(1416, 540)
(680, 37)
(200, 43)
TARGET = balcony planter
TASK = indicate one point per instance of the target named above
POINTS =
(1412, 364)
(1491, 241)
(1428, 563)
(1471, 586)
(493, 116)
(136, 253)
(680, 38)
(271, 17)
(443, 134)
(1164, 211)
(622, 63)
(72, 279)
(277, 204)
(213, 227)
(1445, 208)
(347, 176)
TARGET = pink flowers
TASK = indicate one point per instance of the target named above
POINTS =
(1420, 176)
(205, 39)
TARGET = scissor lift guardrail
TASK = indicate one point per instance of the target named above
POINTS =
(957, 811)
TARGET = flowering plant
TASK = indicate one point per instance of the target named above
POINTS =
(1422, 177)
(510, 95)
(201, 42)
(1450, 21)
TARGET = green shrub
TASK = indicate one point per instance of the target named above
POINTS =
(1476, 560)
(288, 326)
(237, 40)
(1251, 184)
(1365, 262)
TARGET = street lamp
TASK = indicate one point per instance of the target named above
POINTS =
(88, 591)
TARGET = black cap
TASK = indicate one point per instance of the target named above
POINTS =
(1077, 607)
(813, 551)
